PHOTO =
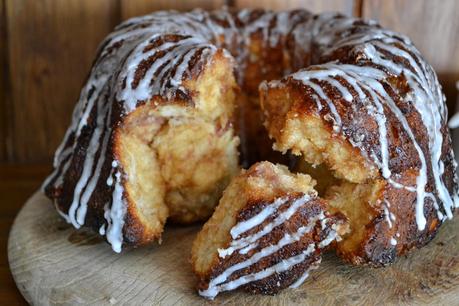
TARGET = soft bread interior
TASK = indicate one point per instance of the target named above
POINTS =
(180, 155)
(262, 182)
(345, 180)
(143, 186)
(196, 164)
(306, 135)
(321, 173)
(355, 202)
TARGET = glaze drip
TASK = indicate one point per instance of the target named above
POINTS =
(224, 280)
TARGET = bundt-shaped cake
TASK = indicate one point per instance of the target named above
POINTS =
(171, 96)
(266, 234)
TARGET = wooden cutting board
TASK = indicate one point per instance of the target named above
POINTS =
(54, 264)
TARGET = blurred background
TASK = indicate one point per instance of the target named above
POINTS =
(46, 50)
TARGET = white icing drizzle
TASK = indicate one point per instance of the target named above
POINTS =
(387, 214)
(318, 102)
(284, 265)
(66, 218)
(246, 225)
(301, 280)
(392, 216)
(110, 180)
(102, 230)
(305, 275)
(154, 80)
(247, 248)
(244, 242)
(91, 184)
(332, 235)
(454, 121)
(115, 216)
(219, 283)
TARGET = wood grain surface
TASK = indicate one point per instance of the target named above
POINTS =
(54, 264)
(131, 8)
(17, 183)
(46, 49)
(4, 80)
(433, 26)
(344, 6)
(51, 45)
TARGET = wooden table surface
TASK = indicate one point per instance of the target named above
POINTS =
(17, 183)
(429, 276)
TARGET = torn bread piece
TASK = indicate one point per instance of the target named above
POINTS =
(267, 233)
(166, 159)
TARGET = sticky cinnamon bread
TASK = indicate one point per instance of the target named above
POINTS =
(171, 100)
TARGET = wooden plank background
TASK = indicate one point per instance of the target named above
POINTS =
(47, 46)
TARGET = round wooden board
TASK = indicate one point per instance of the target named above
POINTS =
(54, 264)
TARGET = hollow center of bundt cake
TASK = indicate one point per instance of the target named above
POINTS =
(182, 154)
(321, 174)
(354, 200)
